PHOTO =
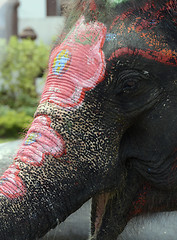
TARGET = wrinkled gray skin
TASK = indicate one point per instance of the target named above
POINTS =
(117, 144)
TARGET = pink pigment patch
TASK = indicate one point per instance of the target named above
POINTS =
(77, 65)
(41, 140)
(11, 184)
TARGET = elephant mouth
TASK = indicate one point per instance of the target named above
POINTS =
(100, 202)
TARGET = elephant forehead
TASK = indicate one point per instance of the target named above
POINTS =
(139, 31)
(77, 65)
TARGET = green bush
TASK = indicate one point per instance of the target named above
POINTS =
(21, 63)
(13, 123)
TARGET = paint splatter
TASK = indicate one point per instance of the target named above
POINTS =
(140, 202)
(32, 138)
(111, 36)
(144, 27)
(61, 62)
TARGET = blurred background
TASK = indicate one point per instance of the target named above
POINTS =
(27, 30)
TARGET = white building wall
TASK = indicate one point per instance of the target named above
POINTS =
(45, 28)
(32, 9)
(32, 13)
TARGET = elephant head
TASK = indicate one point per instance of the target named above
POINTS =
(105, 127)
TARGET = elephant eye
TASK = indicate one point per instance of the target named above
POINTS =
(133, 90)
(130, 85)
(130, 82)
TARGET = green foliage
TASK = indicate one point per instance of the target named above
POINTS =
(4, 140)
(21, 63)
(13, 123)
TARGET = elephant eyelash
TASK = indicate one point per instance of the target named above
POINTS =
(127, 81)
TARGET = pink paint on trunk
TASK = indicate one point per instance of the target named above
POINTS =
(77, 65)
(11, 185)
(41, 140)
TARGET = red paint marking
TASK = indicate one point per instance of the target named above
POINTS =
(121, 17)
(145, 17)
(164, 56)
(138, 205)
(171, 5)
(93, 6)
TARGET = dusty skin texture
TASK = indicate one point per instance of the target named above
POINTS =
(105, 126)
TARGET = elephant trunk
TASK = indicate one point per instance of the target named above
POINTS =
(39, 188)
(67, 137)
(45, 184)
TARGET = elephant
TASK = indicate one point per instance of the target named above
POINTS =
(105, 124)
